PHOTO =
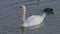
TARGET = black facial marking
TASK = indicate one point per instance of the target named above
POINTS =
(21, 7)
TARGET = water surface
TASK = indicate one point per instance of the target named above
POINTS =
(10, 16)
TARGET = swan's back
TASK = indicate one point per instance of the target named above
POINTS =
(33, 20)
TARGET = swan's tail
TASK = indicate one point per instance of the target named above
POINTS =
(44, 15)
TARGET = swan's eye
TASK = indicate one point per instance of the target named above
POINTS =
(21, 7)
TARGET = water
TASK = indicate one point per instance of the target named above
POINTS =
(10, 16)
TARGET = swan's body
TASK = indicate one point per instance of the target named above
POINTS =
(32, 20)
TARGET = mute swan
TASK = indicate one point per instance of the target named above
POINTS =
(34, 19)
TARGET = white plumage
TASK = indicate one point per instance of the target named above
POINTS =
(34, 20)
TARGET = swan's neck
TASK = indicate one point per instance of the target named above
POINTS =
(23, 15)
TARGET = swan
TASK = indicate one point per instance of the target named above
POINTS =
(34, 19)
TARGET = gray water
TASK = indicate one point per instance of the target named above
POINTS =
(10, 16)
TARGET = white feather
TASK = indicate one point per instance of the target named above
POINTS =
(34, 20)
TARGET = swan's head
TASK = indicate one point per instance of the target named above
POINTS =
(22, 8)
(48, 11)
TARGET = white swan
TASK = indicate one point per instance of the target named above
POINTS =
(32, 20)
